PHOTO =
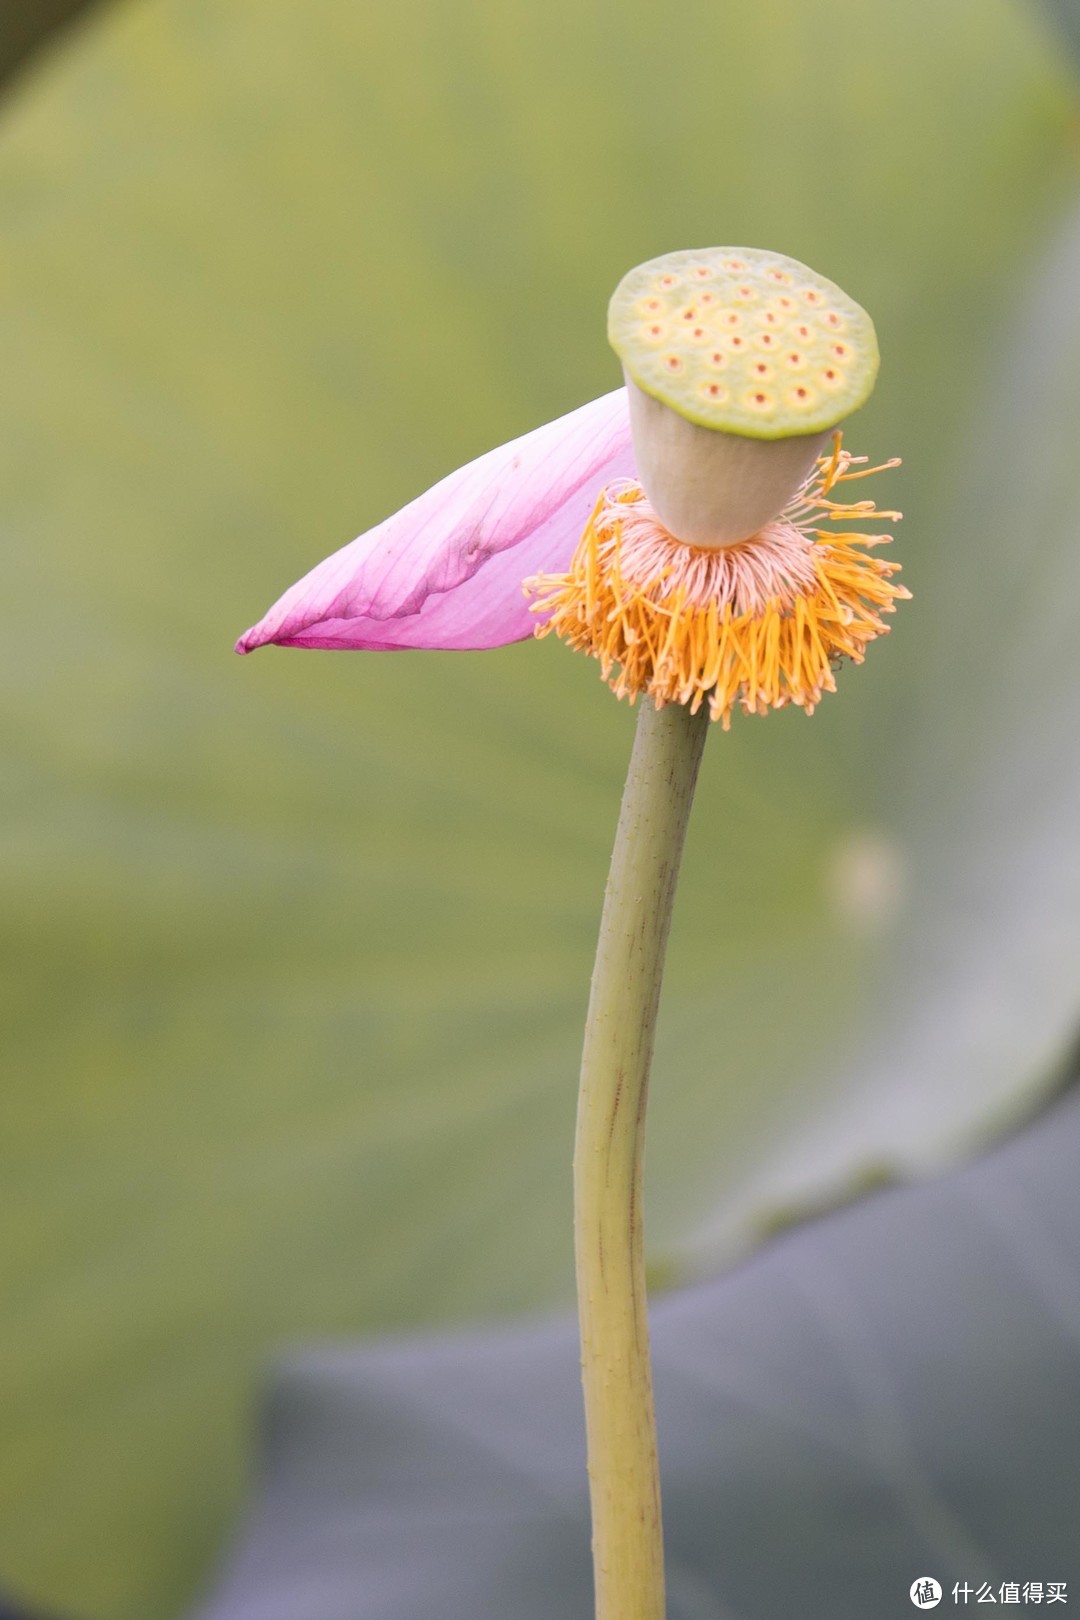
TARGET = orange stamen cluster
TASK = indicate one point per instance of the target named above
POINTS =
(756, 625)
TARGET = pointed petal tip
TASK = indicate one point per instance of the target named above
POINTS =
(446, 570)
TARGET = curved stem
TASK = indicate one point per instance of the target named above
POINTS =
(628, 1551)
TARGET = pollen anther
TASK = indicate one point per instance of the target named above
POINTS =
(755, 626)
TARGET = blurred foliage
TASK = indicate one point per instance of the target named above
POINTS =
(298, 949)
(26, 24)
(889, 1393)
(1066, 16)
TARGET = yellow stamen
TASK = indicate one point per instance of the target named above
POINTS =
(756, 625)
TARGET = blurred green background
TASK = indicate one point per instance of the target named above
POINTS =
(297, 949)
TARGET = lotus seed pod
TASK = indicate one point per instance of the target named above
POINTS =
(738, 362)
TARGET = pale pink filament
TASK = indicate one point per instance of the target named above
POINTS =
(774, 565)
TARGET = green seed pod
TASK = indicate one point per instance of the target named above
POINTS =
(738, 363)
(744, 341)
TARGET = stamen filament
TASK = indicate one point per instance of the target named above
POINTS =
(755, 626)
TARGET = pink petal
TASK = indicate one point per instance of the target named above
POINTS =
(446, 570)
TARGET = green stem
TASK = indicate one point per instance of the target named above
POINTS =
(628, 1549)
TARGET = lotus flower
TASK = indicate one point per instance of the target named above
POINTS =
(667, 529)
